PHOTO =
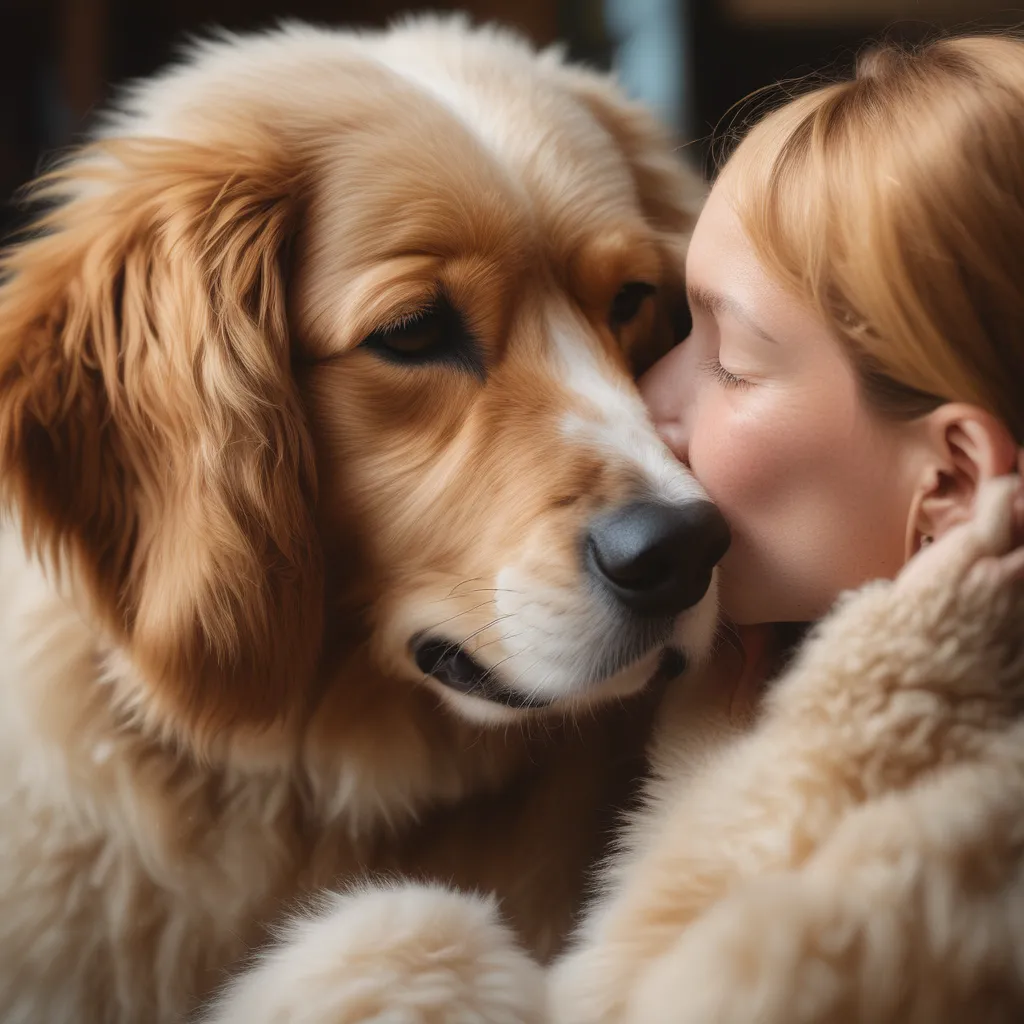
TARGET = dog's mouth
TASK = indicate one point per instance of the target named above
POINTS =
(453, 667)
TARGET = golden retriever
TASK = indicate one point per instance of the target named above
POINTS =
(332, 513)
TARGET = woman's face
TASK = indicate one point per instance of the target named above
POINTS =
(762, 403)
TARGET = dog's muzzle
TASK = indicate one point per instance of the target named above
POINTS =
(645, 564)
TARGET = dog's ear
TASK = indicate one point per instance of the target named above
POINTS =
(670, 190)
(151, 437)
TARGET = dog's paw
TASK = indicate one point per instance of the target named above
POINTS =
(396, 955)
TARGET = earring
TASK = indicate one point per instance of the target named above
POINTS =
(925, 540)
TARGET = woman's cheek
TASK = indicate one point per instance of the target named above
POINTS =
(731, 454)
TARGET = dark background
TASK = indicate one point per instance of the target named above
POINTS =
(692, 59)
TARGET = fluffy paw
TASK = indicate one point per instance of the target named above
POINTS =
(399, 955)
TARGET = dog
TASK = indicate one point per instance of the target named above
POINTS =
(333, 518)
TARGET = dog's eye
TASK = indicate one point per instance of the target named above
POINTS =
(413, 337)
(626, 304)
(682, 320)
(436, 334)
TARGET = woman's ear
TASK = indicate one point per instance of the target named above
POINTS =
(963, 447)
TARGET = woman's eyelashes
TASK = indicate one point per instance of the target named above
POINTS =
(723, 376)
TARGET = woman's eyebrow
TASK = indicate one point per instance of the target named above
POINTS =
(713, 304)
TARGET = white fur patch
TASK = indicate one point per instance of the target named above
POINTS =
(437, 61)
(619, 424)
(558, 642)
(481, 118)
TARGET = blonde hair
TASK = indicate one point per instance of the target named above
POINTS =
(894, 204)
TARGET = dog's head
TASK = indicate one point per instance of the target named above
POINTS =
(331, 342)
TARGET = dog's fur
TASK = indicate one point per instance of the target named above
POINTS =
(228, 520)
(856, 858)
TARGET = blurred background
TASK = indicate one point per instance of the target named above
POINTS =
(690, 59)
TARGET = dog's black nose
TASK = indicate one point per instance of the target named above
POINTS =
(655, 558)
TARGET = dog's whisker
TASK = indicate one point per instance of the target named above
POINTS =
(526, 671)
(475, 590)
(538, 687)
(487, 625)
(451, 618)
(479, 590)
(498, 640)
(492, 671)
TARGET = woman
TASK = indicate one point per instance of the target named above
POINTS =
(850, 394)
(856, 365)
(852, 390)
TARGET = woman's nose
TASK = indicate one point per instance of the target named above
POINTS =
(667, 390)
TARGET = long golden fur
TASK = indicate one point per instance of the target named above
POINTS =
(228, 519)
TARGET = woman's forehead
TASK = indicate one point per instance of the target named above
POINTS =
(718, 236)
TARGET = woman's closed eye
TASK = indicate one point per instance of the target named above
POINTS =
(724, 376)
